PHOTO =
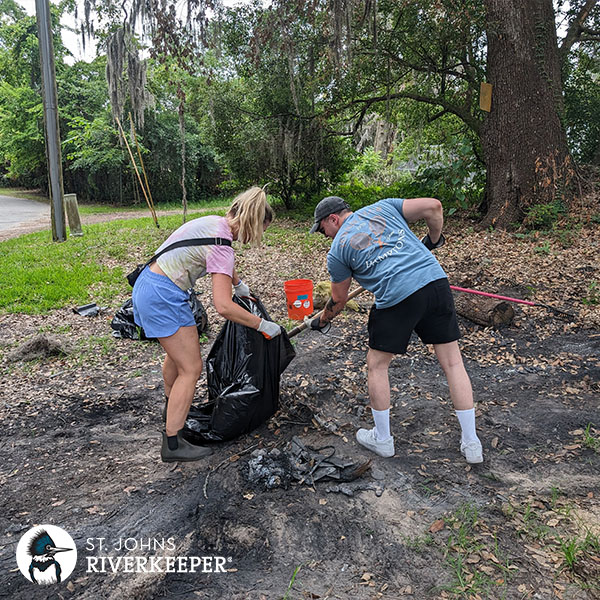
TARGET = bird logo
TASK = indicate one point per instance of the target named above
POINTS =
(39, 557)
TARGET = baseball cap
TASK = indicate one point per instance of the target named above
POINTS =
(326, 207)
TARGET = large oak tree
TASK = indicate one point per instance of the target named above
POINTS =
(438, 54)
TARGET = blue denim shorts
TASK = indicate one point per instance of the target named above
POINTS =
(160, 308)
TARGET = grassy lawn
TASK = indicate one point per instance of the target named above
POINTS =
(39, 275)
(21, 193)
(96, 209)
(86, 208)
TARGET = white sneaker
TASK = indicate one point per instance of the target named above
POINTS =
(366, 438)
(472, 452)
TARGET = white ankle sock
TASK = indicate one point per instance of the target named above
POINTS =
(382, 424)
(466, 418)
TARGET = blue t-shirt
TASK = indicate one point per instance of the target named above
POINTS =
(376, 247)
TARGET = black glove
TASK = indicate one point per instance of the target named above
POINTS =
(430, 245)
(315, 323)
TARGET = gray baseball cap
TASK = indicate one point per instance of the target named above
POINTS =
(326, 207)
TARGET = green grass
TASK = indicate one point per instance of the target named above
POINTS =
(142, 208)
(90, 208)
(21, 193)
(589, 439)
(39, 275)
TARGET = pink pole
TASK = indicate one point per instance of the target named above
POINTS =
(469, 291)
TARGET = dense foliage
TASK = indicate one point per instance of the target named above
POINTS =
(364, 100)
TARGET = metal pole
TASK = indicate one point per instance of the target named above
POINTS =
(53, 154)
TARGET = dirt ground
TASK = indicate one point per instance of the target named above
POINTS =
(81, 442)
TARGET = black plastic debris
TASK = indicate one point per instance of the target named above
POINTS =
(302, 464)
(198, 311)
(349, 489)
(124, 326)
(321, 464)
(242, 371)
(88, 310)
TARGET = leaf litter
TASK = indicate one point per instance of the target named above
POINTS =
(82, 444)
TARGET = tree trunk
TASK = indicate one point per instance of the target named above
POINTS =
(523, 138)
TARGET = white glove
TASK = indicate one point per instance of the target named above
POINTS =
(241, 290)
(269, 329)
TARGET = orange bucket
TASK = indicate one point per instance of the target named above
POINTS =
(299, 295)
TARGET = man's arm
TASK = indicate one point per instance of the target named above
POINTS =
(335, 304)
(430, 209)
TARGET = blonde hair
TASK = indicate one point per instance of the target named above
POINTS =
(248, 213)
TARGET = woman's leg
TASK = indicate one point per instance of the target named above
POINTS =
(185, 362)
(169, 373)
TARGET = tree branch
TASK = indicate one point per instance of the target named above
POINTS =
(576, 27)
(461, 113)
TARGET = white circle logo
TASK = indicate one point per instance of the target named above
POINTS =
(297, 303)
(46, 554)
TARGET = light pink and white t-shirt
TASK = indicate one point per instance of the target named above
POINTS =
(184, 265)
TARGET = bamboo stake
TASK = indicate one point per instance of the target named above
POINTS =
(152, 211)
(141, 161)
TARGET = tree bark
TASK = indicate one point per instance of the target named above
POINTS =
(523, 138)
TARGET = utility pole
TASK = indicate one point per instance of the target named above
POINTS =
(53, 154)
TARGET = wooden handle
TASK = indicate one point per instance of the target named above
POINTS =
(302, 326)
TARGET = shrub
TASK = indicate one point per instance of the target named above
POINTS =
(543, 216)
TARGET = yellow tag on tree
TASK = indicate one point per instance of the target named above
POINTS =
(485, 97)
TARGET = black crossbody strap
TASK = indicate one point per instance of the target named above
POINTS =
(191, 242)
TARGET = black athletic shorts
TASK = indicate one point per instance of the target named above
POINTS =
(429, 312)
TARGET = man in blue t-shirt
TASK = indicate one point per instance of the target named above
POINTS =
(376, 247)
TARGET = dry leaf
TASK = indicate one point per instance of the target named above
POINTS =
(437, 526)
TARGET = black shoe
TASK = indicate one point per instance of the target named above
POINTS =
(185, 452)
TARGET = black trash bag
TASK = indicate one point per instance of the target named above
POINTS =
(124, 326)
(242, 371)
(198, 311)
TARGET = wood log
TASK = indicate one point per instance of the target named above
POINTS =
(487, 312)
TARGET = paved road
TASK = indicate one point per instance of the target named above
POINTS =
(15, 212)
